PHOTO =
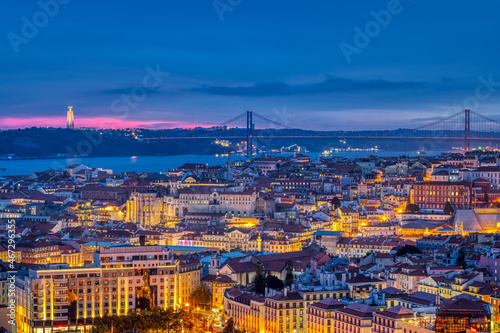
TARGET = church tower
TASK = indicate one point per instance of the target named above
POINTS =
(70, 119)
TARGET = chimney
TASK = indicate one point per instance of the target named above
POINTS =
(329, 279)
(344, 277)
(286, 291)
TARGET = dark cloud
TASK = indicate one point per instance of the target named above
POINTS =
(426, 119)
(330, 85)
(127, 90)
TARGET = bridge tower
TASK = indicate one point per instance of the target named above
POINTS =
(249, 133)
(467, 130)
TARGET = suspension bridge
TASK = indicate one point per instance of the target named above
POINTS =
(464, 126)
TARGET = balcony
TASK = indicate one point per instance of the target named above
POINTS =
(65, 311)
(60, 280)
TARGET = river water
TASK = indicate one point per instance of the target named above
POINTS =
(155, 163)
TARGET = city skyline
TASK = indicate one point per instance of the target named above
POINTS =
(250, 167)
(319, 71)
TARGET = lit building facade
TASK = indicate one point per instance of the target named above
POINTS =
(125, 279)
(149, 209)
(276, 313)
(320, 314)
(435, 194)
(356, 317)
(461, 315)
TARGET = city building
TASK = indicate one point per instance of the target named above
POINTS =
(461, 315)
(124, 280)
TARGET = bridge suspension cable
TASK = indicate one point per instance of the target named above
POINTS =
(437, 122)
(272, 121)
(234, 119)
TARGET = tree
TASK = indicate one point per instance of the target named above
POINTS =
(193, 322)
(259, 281)
(229, 328)
(335, 202)
(412, 208)
(461, 259)
(289, 274)
(486, 198)
(236, 249)
(274, 283)
(167, 320)
(407, 249)
(448, 208)
(201, 296)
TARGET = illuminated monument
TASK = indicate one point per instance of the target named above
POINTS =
(70, 119)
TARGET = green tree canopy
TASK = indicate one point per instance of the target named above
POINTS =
(412, 208)
(274, 283)
(448, 208)
(335, 202)
(408, 249)
(167, 320)
(201, 296)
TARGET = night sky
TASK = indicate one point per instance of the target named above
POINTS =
(304, 64)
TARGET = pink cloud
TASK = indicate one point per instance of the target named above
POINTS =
(97, 122)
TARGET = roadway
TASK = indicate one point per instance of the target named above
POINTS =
(326, 137)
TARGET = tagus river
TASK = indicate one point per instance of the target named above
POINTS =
(154, 163)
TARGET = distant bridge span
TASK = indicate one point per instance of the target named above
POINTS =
(326, 137)
(474, 126)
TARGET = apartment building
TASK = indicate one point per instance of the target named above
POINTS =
(490, 173)
(246, 309)
(245, 239)
(356, 317)
(123, 280)
(391, 320)
(360, 246)
(320, 314)
(349, 220)
(277, 312)
(42, 252)
(436, 194)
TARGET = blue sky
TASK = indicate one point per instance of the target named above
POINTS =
(282, 59)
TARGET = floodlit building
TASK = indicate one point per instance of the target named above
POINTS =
(461, 315)
(122, 280)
